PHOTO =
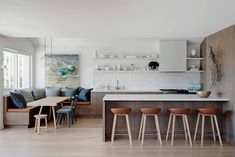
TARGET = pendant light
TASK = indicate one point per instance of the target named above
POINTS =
(51, 47)
(45, 49)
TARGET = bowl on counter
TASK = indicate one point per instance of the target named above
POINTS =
(204, 94)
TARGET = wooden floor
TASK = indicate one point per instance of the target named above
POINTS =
(84, 139)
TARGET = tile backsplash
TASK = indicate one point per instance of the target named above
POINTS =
(146, 80)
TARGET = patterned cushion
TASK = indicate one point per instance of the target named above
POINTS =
(52, 91)
(39, 93)
(27, 95)
(18, 100)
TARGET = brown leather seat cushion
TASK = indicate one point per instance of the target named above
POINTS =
(121, 110)
(27, 109)
(84, 103)
(208, 110)
(150, 110)
(79, 102)
(179, 110)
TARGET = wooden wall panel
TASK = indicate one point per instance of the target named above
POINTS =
(223, 42)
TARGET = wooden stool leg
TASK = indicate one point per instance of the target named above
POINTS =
(168, 127)
(185, 130)
(202, 132)
(46, 123)
(141, 125)
(113, 129)
(213, 128)
(129, 129)
(143, 131)
(196, 128)
(188, 130)
(35, 126)
(218, 132)
(38, 127)
(158, 129)
(173, 130)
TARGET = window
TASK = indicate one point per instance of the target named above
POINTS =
(17, 71)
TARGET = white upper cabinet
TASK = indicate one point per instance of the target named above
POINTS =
(173, 55)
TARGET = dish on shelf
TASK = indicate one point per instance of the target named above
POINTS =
(204, 94)
(194, 57)
(194, 69)
(102, 56)
(121, 56)
(98, 67)
(130, 56)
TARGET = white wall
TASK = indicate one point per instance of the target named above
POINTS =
(89, 78)
(20, 44)
(1, 85)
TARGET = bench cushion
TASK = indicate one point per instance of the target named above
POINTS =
(27, 109)
(83, 103)
(79, 102)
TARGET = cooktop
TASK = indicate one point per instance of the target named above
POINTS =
(176, 91)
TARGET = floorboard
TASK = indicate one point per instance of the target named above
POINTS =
(84, 139)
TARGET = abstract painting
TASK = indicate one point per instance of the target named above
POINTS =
(62, 70)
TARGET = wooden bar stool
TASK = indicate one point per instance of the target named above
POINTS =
(149, 112)
(38, 126)
(207, 112)
(182, 112)
(121, 112)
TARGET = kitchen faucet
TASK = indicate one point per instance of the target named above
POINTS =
(117, 87)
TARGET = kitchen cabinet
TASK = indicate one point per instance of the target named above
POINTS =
(96, 107)
(173, 54)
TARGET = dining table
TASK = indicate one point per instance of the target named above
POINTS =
(51, 101)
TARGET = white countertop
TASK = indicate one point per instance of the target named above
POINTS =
(159, 97)
(125, 91)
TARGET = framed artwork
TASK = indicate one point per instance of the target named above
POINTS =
(62, 70)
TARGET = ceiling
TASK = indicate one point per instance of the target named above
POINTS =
(115, 18)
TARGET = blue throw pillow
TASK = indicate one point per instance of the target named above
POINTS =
(85, 94)
(52, 91)
(77, 90)
(70, 91)
(18, 100)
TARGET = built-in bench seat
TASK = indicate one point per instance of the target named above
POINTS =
(18, 117)
(24, 117)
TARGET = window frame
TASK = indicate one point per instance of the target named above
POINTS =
(16, 83)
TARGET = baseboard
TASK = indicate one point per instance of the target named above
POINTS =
(16, 126)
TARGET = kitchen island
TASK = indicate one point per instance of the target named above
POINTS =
(137, 101)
